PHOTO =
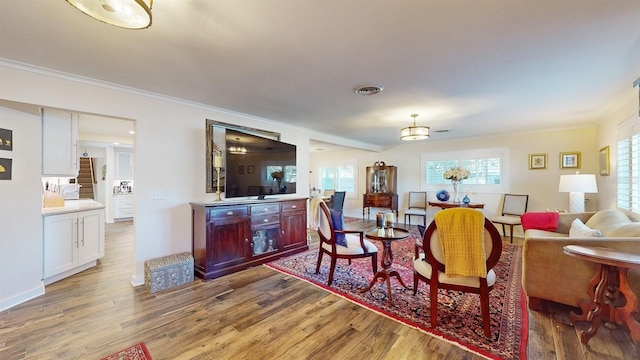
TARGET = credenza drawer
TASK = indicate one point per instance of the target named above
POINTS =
(294, 205)
(264, 209)
(221, 213)
(265, 219)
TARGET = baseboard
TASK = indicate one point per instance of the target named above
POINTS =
(22, 297)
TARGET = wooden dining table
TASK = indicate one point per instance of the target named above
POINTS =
(448, 205)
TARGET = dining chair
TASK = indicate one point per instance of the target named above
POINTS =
(339, 243)
(328, 194)
(513, 206)
(430, 255)
(417, 207)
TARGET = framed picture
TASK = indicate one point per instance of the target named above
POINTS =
(6, 139)
(604, 161)
(537, 161)
(570, 160)
(250, 169)
(5, 169)
(241, 169)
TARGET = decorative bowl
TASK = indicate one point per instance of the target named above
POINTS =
(443, 195)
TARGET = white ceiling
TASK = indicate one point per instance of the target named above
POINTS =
(473, 67)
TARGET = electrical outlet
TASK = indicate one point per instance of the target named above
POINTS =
(159, 195)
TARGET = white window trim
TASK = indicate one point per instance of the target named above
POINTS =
(502, 153)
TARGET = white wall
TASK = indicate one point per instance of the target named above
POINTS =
(20, 209)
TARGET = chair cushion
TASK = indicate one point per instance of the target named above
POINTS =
(415, 212)
(547, 221)
(422, 267)
(507, 220)
(338, 224)
(354, 247)
(579, 229)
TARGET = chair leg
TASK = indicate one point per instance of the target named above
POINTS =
(433, 297)
(484, 304)
(424, 221)
(504, 232)
(405, 220)
(320, 253)
(332, 268)
(415, 282)
(511, 233)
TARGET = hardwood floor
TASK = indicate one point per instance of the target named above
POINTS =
(254, 314)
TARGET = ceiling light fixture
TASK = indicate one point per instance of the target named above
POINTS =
(128, 14)
(237, 149)
(414, 132)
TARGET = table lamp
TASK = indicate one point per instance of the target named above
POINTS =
(576, 185)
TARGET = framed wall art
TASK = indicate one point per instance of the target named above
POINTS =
(241, 169)
(570, 160)
(6, 139)
(603, 161)
(5, 169)
(250, 169)
(537, 161)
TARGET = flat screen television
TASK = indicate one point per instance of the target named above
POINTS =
(257, 166)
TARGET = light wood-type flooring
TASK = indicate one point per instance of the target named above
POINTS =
(254, 314)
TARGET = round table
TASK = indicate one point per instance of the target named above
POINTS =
(605, 289)
(386, 236)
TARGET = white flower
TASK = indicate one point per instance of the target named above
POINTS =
(456, 174)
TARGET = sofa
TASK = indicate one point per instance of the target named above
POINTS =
(549, 274)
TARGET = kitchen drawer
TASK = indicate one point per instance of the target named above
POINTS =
(265, 219)
(226, 212)
(264, 209)
(125, 213)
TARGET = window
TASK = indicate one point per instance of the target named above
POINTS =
(485, 165)
(628, 166)
(341, 176)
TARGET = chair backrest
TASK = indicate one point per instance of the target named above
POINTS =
(338, 200)
(418, 200)
(515, 204)
(433, 251)
(329, 192)
(325, 225)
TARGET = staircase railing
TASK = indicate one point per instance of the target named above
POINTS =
(93, 177)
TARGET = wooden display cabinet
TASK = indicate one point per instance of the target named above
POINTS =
(381, 189)
(228, 237)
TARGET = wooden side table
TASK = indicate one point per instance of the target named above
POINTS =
(611, 297)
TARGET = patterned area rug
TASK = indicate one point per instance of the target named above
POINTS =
(459, 314)
(135, 352)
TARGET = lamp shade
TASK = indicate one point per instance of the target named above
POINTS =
(414, 132)
(129, 14)
(584, 183)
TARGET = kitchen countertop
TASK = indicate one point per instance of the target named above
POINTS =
(72, 206)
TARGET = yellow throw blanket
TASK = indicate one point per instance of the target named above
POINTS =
(461, 234)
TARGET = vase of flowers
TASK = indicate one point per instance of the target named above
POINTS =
(277, 176)
(456, 175)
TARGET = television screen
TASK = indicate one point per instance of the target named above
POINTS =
(258, 166)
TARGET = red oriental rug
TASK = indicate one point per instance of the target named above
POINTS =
(459, 314)
(135, 352)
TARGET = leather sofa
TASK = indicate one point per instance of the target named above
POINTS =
(549, 274)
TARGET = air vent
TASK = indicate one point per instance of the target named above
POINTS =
(443, 131)
(368, 89)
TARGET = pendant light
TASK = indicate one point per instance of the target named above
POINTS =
(414, 132)
(128, 14)
(237, 149)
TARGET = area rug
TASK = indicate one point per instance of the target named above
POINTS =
(136, 352)
(459, 314)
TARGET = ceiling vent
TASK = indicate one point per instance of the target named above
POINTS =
(368, 89)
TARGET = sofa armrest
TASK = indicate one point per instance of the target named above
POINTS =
(548, 273)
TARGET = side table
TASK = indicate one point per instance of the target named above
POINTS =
(605, 291)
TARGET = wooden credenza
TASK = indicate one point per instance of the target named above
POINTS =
(228, 237)
(380, 200)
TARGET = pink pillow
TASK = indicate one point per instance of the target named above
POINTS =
(547, 221)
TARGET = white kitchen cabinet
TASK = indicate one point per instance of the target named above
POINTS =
(123, 208)
(59, 143)
(124, 166)
(72, 243)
